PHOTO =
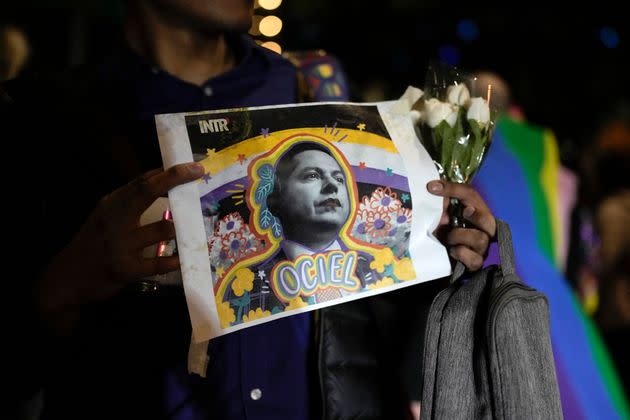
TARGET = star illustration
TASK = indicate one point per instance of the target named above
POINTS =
(389, 172)
(361, 165)
(241, 158)
(404, 197)
(361, 126)
(264, 132)
(220, 272)
(261, 274)
(206, 177)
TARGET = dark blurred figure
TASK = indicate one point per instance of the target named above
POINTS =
(15, 51)
(599, 259)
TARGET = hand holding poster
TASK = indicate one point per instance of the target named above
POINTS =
(301, 207)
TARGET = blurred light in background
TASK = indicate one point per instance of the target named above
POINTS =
(266, 27)
(270, 26)
(273, 46)
(467, 30)
(609, 37)
(269, 4)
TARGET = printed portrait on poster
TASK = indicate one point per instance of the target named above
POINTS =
(311, 233)
(300, 207)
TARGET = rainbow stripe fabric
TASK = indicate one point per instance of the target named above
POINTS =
(519, 181)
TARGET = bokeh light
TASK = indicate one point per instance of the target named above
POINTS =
(467, 30)
(609, 37)
(270, 25)
(269, 4)
(273, 46)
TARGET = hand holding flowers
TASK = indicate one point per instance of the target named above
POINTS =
(455, 127)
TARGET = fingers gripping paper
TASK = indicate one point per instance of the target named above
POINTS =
(301, 207)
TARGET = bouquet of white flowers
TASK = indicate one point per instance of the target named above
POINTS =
(455, 125)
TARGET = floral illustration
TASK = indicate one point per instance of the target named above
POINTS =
(382, 220)
(403, 269)
(244, 281)
(226, 314)
(257, 314)
(382, 258)
(384, 282)
(231, 241)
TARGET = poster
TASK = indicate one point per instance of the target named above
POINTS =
(301, 207)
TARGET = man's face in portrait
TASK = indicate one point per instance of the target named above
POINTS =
(314, 193)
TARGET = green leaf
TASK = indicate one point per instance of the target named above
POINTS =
(481, 137)
(442, 134)
(460, 153)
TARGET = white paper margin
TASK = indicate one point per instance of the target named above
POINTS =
(190, 232)
(191, 237)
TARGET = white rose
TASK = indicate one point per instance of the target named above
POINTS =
(416, 116)
(478, 110)
(436, 112)
(458, 94)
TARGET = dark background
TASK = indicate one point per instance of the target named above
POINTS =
(555, 58)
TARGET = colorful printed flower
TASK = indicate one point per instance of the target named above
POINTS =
(384, 200)
(403, 270)
(384, 282)
(225, 250)
(382, 258)
(377, 224)
(295, 303)
(226, 314)
(233, 246)
(258, 314)
(230, 223)
(381, 218)
(402, 217)
(243, 281)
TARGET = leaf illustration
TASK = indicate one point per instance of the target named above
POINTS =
(276, 228)
(265, 219)
(265, 172)
(262, 192)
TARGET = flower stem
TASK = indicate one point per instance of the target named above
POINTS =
(455, 213)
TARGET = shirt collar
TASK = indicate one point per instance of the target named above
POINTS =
(294, 249)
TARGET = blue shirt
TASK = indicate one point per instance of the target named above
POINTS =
(256, 373)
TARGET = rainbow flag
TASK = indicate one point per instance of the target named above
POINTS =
(519, 181)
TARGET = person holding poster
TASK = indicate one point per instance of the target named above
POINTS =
(84, 334)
